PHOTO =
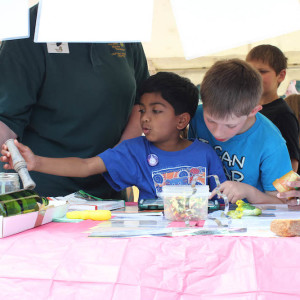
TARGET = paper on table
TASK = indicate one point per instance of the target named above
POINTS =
(137, 216)
(129, 225)
(66, 220)
(122, 227)
(259, 225)
(76, 203)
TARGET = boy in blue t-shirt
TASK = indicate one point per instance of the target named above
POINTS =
(160, 157)
(250, 146)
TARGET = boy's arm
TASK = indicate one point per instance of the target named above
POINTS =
(238, 190)
(69, 166)
(268, 197)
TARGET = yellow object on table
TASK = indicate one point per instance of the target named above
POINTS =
(244, 209)
(97, 215)
(280, 183)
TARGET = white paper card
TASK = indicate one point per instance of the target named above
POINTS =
(14, 19)
(94, 21)
(206, 27)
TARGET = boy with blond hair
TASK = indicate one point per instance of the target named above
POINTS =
(271, 63)
(250, 146)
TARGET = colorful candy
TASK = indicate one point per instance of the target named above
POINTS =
(180, 208)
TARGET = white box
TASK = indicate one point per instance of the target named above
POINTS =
(18, 223)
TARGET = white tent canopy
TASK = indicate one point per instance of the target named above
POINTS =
(165, 51)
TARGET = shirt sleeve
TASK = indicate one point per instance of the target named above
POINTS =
(122, 166)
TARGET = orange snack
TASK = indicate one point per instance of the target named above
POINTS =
(280, 183)
(284, 227)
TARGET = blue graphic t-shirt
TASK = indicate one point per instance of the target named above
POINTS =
(256, 157)
(138, 162)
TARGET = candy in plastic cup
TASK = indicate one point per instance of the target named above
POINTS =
(181, 203)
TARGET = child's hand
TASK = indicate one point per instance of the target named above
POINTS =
(232, 189)
(294, 184)
(292, 195)
(25, 151)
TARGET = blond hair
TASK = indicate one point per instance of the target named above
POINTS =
(231, 87)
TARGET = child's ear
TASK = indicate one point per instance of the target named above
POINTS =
(183, 120)
(255, 110)
(281, 75)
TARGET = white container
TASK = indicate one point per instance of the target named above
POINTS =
(9, 182)
(18, 223)
(182, 203)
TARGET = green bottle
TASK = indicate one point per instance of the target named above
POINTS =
(20, 202)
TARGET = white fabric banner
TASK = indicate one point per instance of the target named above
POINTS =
(94, 21)
(14, 19)
(209, 26)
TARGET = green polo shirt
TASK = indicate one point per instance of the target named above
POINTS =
(69, 104)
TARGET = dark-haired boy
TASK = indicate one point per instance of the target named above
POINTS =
(271, 63)
(161, 157)
(250, 146)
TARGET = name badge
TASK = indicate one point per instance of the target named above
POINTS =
(58, 48)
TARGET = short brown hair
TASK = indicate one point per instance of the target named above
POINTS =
(231, 87)
(270, 55)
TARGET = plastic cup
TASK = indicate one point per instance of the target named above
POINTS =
(183, 203)
(9, 182)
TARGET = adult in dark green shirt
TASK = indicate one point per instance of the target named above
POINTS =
(70, 99)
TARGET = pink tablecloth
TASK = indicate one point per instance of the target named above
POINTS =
(59, 261)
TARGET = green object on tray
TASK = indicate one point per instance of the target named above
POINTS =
(244, 209)
(20, 202)
(82, 194)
